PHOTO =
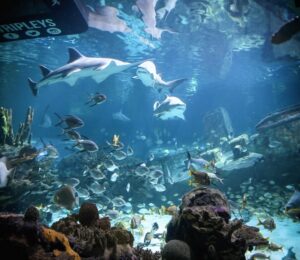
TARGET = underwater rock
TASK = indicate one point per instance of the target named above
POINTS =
(203, 223)
(30, 240)
(32, 214)
(90, 240)
(88, 214)
(247, 161)
(176, 249)
(207, 197)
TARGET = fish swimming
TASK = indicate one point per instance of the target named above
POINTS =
(121, 117)
(170, 108)
(292, 208)
(4, 172)
(287, 31)
(66, 197)
(87, 145)
(71, 121)
(147, 73)
(80, 66)
(199, 164)
(96, 99)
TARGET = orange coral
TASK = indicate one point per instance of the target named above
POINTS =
(52, 236)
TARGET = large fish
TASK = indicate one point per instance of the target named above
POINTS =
(4, 172)
(292, 208)
(147, 73)
(80, 66)
(170, 108)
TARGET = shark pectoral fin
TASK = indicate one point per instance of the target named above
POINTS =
(135, 77)
(98, 78)
(71, 81)
(45, 71)
(110, 65)
(174, 83)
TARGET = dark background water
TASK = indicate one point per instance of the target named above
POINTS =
(251, 87)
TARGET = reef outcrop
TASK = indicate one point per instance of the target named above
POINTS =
(23, 237)
(203, 223)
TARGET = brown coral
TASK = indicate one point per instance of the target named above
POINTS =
(54, 237)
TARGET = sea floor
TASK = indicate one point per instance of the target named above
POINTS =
(286, 234)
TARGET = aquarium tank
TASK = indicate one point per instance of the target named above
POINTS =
(150, 129)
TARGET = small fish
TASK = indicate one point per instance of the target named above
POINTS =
(110, 166)
(160, 187)
(71, 121)
(86, 145)
(120, 116)
(147, 239)
(244, 201)
(114, 177)
(155, 227)
(129, 151)
(259, 256)
(151, 157)
(119, 155)
(200, 178)
(274, 247)
(128, 187)
(71, 134)
(268, 223)
(96, 99)
(66, 197)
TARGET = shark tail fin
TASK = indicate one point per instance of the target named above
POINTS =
(174, 83)
(33, 86)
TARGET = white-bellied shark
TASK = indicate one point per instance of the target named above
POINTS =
(147, 73)
(80, 66)
(170, 108)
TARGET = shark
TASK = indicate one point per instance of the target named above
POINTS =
(80, 66)
(146, 72)
(170, 108)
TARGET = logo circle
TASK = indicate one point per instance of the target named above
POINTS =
(11, 36)
(32, 33)
(53, 30)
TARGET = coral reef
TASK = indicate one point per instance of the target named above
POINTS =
(203, 223)
(88, 214)
(6, 128)
(176, 249)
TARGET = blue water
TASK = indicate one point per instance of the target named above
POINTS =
(246, 84)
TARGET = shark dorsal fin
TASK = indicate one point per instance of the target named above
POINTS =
(45, 71)
(74, 55)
